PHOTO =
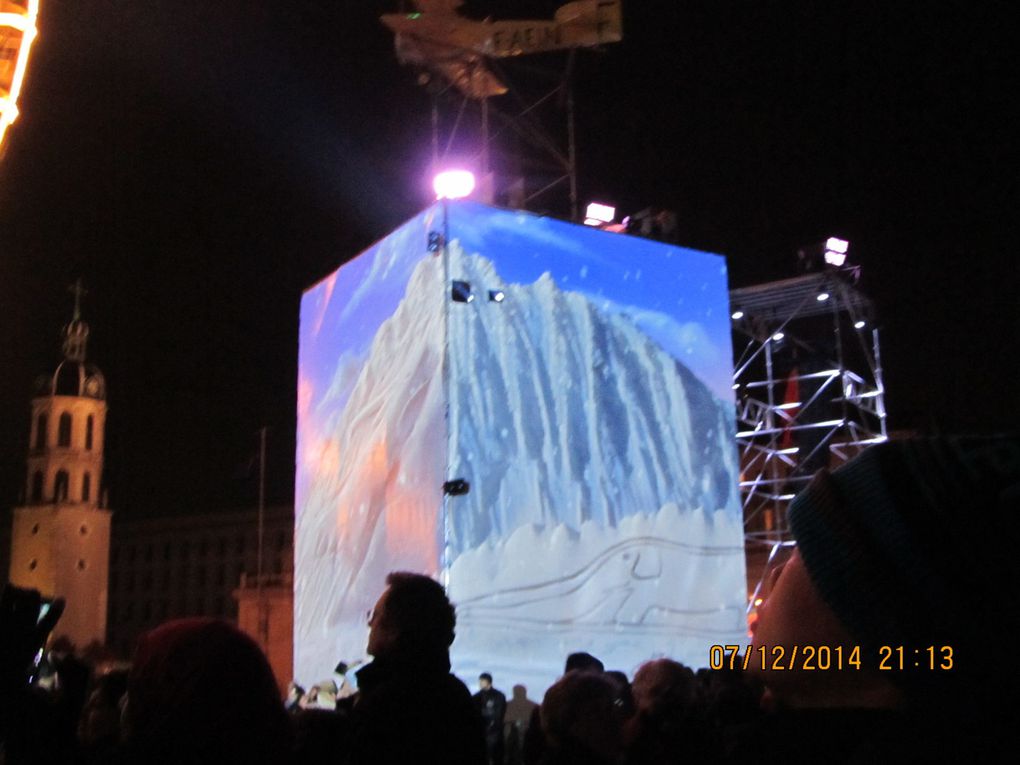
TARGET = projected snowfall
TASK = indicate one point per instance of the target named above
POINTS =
(585, 399)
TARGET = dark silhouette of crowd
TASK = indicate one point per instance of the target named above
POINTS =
(906, 554)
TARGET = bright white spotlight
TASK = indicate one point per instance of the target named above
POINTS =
(453, 184)
(859, 324)
(834, 258)
(837, 245)
(737, 315)
(599, 213)
(822, 297)
(778, 336)
(835, 251)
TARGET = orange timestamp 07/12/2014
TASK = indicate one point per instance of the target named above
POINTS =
(824, 658)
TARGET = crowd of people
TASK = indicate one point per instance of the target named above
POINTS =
(904, 578)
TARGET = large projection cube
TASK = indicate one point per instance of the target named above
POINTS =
(579, 383)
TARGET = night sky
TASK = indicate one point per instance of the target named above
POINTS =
(198, 164)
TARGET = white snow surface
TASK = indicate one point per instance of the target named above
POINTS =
(602, 515)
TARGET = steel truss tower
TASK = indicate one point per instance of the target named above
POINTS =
(535, 125)
(809, 391)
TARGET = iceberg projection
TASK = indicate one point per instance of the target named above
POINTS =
(579, 382)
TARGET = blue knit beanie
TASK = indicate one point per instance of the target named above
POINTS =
(914, 543)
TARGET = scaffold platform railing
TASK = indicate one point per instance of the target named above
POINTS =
(809, 393)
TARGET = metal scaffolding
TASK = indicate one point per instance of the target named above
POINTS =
(809, 391)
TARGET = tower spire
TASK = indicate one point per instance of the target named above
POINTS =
(76, 333)
(79, 292)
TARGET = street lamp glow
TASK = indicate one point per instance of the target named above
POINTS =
(453, 184)
(17, 31)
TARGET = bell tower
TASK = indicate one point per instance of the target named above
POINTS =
(60, 537)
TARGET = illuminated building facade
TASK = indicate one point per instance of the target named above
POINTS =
(166, 568)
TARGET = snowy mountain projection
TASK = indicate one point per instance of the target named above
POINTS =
(589, 409)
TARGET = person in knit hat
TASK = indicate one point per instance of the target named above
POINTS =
(905, 560)
(201, 691)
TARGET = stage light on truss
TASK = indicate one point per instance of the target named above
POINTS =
(835, 251)
(497, 296)
(597, 213)
(841, 246)
(736, 315)
(453, 184)
(822, 297)
(778, 336)
(860, 324)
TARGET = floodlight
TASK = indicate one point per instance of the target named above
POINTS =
(778, 336)
(737, 315)
(835, 251)
(822, 297)
(859, 324)
(837, 245)
(834, 258)
(497, 296)
(453, 184)
(827, 253)
(599, 213)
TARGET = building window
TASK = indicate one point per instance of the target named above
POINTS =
(40, 432)
(81, 564)
(89, 425)
(32, 564)
(37, 486)
(35, 529)
(64, 430)
(86, 487)
(60, 487)
(83, 529)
